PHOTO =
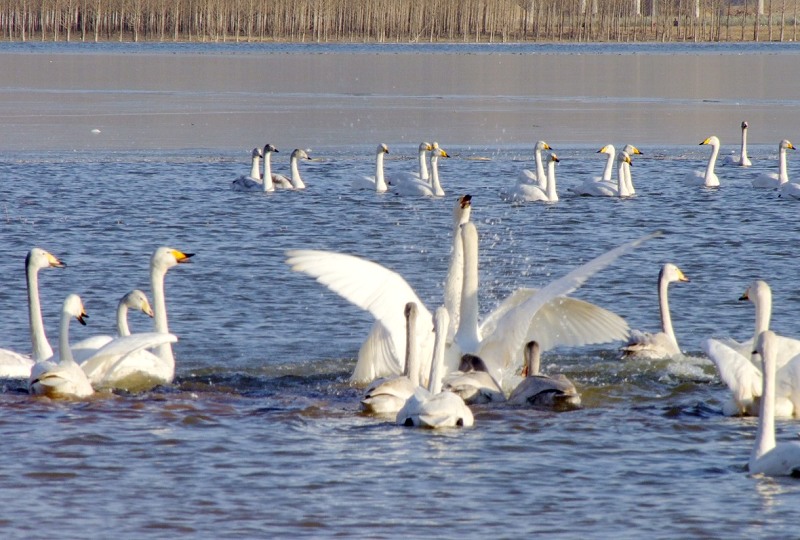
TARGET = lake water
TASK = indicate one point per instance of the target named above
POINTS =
(261, 435)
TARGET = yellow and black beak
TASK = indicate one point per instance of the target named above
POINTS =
(182, 257)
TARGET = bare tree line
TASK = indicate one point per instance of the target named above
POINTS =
(399, 20)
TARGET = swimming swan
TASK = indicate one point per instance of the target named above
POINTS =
(768, 457)
(473, 382)
(539, 178)
(540, 390)
(420, 188)
(740, 159)
(592, 188)
(258, 183)
(388, 395)
(707, 177)
(779, 179)
(630, 150)
(36, 260)
(436, 408)
(295, 182)
(661, 344)
(375, 183)
(64, 379)
(253, 180)
(529, 192)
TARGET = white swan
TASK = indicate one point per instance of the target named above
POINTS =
(252, 181)
(422, 165)
(531, 193)
(388, 395)
(382, 292)
(375, 183)
(64, 379)
(610, 153)
(707, 177)
(661, 344)
(735, 366)
(455, 270)
(36, 260)
(295, 182)
(768, 457)
(630, 150)
(415, 187)
(540, 390)
(473, 382)
(779, 179)
(258, 183)
(741, 158)
(602, 188)
(539, 178)
(436, 408)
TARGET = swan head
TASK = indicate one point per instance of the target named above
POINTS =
(541, 145)
(270, 148)
(786, 145)
(425, 146)
(713, 141)
(137, 300)
(624, 157)
(382, 149)
(631, 150)
(757, 291)
(256, 153)
(471, 362)
(73, 306)
(553, 158)
(672, 273)
(410, 310)
(299, 153)
(167, 257)
(607, 149)
(745, 125)
(465, 201)
(438, 152)
(38, 258)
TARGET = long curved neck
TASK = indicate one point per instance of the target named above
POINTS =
(783, 175)
(435, 185)
(663, 304)
(540, 175)
(267, 183)
(712, 159)
(423, 165)
(743, 156)
(467, 334)
(255, 168)
(122, 320)
(65, 353)
(454, 283)
(622, 185)
(41, 347)
(533, 358)
(765, 436)
(157, 276)
(552, 194)
(412, 360)
(628, 179)
(763, 305)
(380, 181)
(297, 182)
(437, 364)
(609, 166)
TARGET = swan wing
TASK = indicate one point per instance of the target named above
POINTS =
(596, 189)
(412, 187)
(377, 356)
(650, 345)
(108, 357)
(736, 371)
(501, 347)
(14, 365)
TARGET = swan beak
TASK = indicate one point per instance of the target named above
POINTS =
(466, 201)
(745, 296)
(443, 153)
(82, 318)
(603, 150)
(636, 150)
(547, 146)
(555, 158)
(54, 262)
(791, 147)
(682, 277)
(182, 257)
(147, 310)
(707, 141)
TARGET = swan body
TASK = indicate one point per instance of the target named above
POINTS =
(415, 187)
(602, 188)
(781, 178)
(436, 408)
(295, 182)
(64, 379)
(707, 177)
(422, 165)
(768, 457)
(661, 344)
(741, 159)
(251, 182)
(529, 192)
(538, 178)
(388, 395)
(540, 390)
(473, 382)
(375, 183)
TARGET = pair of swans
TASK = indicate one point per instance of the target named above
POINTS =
(780, 179)
(411, 186)
(532, 192)
(743, 376)
(601, 188)
(662, 344)
(551, 319)
(270, 181)
(740, 159)
(538, 177)
(707, 177)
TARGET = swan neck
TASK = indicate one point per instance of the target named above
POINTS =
(552, 193)
(255, 168)
(267, 183)
(609, 166)
(157, 276)
(763, 313)
(297, 182)
(412, 360)
(41, 347)
(423, 165)
(533, 359)
(712, 159)
(744, 145)
(628, 179)
(122, 320)
(437, 364)
(622, 186)
(467, 333)
(454, 284)
(765, 435)
(663, 304)
(540, 175)
(435, 185)
(783, 175)
(380, 181)
(64, 351)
